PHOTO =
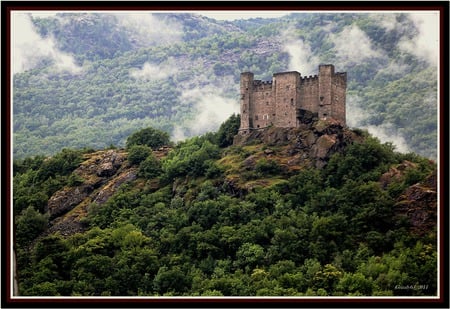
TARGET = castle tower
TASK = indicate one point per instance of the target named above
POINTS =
(332, 88)
(246, 87)
(286, 97)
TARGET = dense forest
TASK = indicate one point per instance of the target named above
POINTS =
(91, 79)
(211, 218)
(129, 178)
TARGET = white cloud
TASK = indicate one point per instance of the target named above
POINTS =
(426, 44)
(149, 29)
(301, 58)
(29, 48)
(352, 45)
(212, 109)
(386, 132)
(153, 72)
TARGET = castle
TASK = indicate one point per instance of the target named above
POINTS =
(282, 101)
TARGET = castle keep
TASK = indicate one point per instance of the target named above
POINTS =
(282, 101)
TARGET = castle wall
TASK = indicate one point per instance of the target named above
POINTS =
(277, 102)
(309, 90)
(263, 104)
(286, 96)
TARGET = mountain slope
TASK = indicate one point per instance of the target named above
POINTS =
(180, 73)
(317, 211)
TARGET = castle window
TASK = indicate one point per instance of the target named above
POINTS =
(256, 117)
(292, 102)
(287, 87)
(321, 98)
(267, 103)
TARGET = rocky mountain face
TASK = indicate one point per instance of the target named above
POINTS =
(418, 204)
(291, 149)
(309, 145)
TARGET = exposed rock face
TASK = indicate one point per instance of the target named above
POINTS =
(419, 205)
(396, 173)
(102, 173)
(314, 141)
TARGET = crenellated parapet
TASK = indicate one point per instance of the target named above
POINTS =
(277, 102)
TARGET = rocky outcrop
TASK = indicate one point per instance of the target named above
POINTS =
(396, 173)
(100, 175)
(312, 143)
(93, 173)
(418, 204)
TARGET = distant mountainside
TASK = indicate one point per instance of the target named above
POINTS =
(89, 80)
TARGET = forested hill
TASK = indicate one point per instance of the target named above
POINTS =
(85, 80)
(314, 211)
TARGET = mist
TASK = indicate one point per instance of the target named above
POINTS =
(356, 117)
(301, 58)
(425, 45)
(353, 46)
(151, 71)
(212, 109)
(149, 29)
(29, 49)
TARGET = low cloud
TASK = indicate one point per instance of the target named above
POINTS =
(356, 118)
(212, 109)
(151, 71)
(301, 57)
(425, 45)
(353, 46)
(29, 49)
(149, 29)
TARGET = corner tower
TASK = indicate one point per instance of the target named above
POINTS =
(332, 88)
(246, 102)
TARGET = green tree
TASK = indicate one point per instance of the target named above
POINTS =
(29, 225)
(228, 130)
(138, 153)
(150, 167)
(150, 137)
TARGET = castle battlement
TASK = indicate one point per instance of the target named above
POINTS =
(278, 102)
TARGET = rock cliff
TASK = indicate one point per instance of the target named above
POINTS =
(418, 204)
(99, 177)
(311, 144)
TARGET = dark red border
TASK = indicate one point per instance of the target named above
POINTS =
(442, 6)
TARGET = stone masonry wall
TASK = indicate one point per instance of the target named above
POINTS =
(278, 102)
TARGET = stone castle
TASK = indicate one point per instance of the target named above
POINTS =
(283, 101)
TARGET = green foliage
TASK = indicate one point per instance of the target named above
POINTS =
(150, 167)
(320, 232)
(190, 158)
(228, 130)
(138, 153)
(29, 225)
(150, 137)
(62, 164)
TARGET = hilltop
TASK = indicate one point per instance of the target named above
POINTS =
(315, 210)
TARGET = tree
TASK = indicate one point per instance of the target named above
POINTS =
(150, 167)
(228, 130)
(138, 153)
(150, 137)
(29, 225)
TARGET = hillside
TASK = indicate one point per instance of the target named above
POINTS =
(89, 80)
(317, 210)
